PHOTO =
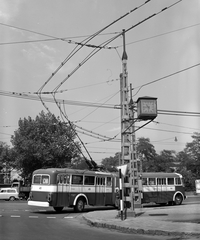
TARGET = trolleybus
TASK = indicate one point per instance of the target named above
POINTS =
(162, 188)
(63, 187)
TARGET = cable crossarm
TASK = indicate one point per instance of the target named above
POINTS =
(142, 126)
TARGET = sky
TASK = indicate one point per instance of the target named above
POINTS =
(38, 38)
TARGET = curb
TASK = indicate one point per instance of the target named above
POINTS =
(138, 231)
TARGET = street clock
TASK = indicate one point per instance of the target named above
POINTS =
(147, 108)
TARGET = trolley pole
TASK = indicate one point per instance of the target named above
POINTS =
(128, 142)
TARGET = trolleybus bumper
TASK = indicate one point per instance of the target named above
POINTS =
(38, 204)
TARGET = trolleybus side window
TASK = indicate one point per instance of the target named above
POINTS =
(152, 181)
(100, 181)
(170, 181)
(63, 179)
(89, 180)
(77, 179)
(161, 181)
(144, 181)
(109, 182)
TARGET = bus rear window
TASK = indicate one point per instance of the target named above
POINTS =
(37, 179)
(41, 179)
(45, 179)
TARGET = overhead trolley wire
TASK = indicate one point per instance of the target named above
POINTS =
(104, 44)
(87, 58)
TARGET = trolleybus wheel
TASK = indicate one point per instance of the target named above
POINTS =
(58, 209)
(80, 205)
(178, 199)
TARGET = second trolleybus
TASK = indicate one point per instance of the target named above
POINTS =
(162, 188)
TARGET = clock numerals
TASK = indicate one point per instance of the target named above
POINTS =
(147, 108)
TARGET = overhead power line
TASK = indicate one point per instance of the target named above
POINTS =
(162, 78)
(67, 39)
(179, 113)
(60, 101)
(159, 35)
(90, 104)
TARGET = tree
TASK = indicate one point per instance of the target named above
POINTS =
(147, 153)
(43, 142)
(111, 163)
(164, 162)
(79, 163)
(193, 152)
(6, 162)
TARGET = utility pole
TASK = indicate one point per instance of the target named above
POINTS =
(128, 141)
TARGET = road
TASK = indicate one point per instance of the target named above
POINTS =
(19, 221)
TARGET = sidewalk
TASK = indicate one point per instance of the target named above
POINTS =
(180, 220)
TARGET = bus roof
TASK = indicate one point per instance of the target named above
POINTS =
(69, 170)
(160, 174)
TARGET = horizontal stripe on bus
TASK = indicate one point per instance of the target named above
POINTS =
(66, 188)
(38, 203)
(158, 188)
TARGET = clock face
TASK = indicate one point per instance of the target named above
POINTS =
(148, 106)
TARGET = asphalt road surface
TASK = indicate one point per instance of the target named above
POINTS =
(19, 221)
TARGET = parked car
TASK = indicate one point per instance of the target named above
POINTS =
(9, 194)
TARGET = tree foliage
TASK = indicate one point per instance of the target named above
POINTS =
(111, 163)
(147, 154)
(43, 142)
(192, 150)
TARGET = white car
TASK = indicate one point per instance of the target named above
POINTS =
(9, 194)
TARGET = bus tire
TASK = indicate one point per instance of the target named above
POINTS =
(178, 199)
(58, 209)
(80, 205)
(171, 203)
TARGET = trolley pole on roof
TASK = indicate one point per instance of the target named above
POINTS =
(128, 142)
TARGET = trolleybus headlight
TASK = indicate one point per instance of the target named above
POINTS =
(49, 197)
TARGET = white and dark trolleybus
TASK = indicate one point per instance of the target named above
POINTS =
(64, 187)
(162, 188)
